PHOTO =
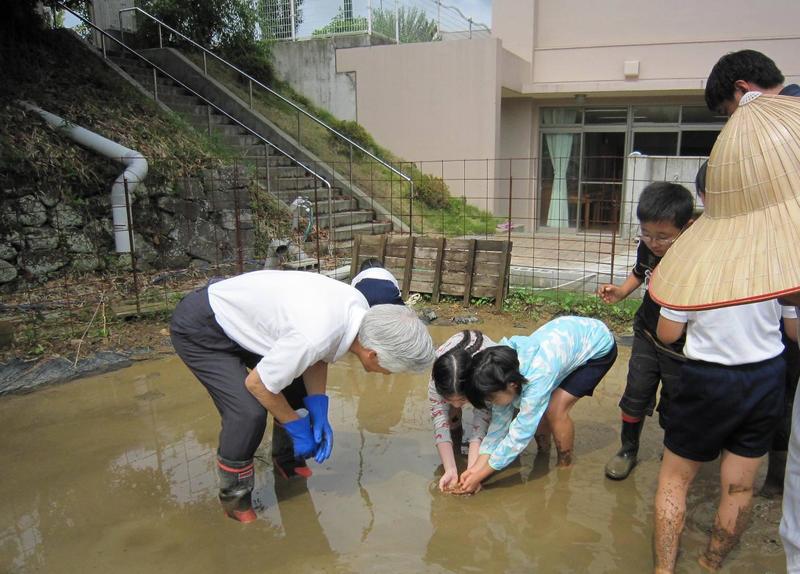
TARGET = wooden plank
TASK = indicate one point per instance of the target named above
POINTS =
(468, 271)
(424, 263)
(397, 240)
(383, 249)
(437, 274)
(372, 240)
(454, 265)
(427, 242)
(480, 291)
(421, 286)
(452, 289)
(394, 262)
(396, 250)
(408, 266)
(485, 280)
(487, 268)
(450, 255)
(459, 244)
(501, 284)
(354, 262)
(489, 257)
(491, 245)
(450, 277)
(422, 275)
(425, 252)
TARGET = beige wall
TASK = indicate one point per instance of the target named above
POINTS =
(577, 46)
(429, 101)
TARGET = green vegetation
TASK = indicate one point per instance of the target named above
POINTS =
(415, 26)
(548, 303)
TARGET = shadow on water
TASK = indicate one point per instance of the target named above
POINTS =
(116, 473)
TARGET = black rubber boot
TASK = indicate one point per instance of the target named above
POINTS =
(236, 480)
(283, 460)
(622, 463)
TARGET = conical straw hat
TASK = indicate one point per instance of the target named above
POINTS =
(746, 246)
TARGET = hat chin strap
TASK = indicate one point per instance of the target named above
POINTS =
(749, 97)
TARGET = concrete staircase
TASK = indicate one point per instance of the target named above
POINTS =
(273, 170)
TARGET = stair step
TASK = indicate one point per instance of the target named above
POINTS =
(171, 99)
(200, 111)
(350, 231)
(286, 183)
(345, 218)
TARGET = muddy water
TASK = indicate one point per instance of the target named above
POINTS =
(115, 474)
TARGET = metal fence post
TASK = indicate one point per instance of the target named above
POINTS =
(155, 85)
(160, 42)
(470, 28)
(510, 188)
(291, 7)
(396, 22)
(369, 17)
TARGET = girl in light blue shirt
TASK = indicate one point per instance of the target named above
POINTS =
(541, 374)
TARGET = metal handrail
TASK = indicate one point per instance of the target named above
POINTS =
(252, 81)
(105, 35)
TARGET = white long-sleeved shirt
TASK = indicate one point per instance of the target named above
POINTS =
(292, 319)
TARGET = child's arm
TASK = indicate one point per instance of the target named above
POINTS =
(671, 325)
(440, 411)
(610, 293)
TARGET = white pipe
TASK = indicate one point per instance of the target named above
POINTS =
(135, 171)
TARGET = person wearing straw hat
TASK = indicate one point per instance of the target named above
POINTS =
(737, 73)
(719, 282)
(733, 75)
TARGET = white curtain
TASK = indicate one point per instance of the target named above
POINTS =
(560, 148)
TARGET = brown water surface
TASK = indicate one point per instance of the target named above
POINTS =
(116, 474)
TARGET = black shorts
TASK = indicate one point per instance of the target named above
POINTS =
(584, 380)
(716, 407)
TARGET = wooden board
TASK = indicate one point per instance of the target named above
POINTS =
(464, 268)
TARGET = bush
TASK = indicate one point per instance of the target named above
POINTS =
(354, 131)
(432, 191)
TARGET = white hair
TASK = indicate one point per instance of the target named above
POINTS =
(400, 339)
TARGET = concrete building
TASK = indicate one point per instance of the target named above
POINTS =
(560, 95)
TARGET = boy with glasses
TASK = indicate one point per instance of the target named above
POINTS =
(665, 209)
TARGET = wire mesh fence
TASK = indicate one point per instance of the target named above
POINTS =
(63, 287)
(399, 21)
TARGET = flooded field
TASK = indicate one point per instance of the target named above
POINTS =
(116, 474)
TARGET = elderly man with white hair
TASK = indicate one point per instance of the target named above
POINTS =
(262, 341)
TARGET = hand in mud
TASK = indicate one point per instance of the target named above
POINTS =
(449, 481)
(610, 294)
(469, 483)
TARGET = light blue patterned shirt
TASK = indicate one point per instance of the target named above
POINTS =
(546, 357)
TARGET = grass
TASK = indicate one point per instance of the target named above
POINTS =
(384, 186)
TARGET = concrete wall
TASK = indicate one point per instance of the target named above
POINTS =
(429, 101)
(576, 46)
(310, 68)
(105, 14)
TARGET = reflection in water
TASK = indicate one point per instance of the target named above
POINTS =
(116, 473)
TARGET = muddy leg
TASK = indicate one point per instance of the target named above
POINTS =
(543, 436)
(737, 476)
(561, 402)
(674, 479)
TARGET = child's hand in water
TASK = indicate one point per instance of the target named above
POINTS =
(469, 483)
(449, 481)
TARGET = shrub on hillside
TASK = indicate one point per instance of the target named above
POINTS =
(432, 191)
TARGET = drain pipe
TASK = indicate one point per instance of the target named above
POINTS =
(135, 171)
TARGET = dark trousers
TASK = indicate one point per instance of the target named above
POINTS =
(222, 365)
(648, 366)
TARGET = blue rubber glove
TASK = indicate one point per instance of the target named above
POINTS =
(302, 437)
(317, 406)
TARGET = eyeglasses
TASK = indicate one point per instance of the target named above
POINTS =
(658, 241)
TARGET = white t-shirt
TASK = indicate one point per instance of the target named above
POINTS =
(733, 335)
(293, 319)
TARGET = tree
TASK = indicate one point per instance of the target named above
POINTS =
(415, 26)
